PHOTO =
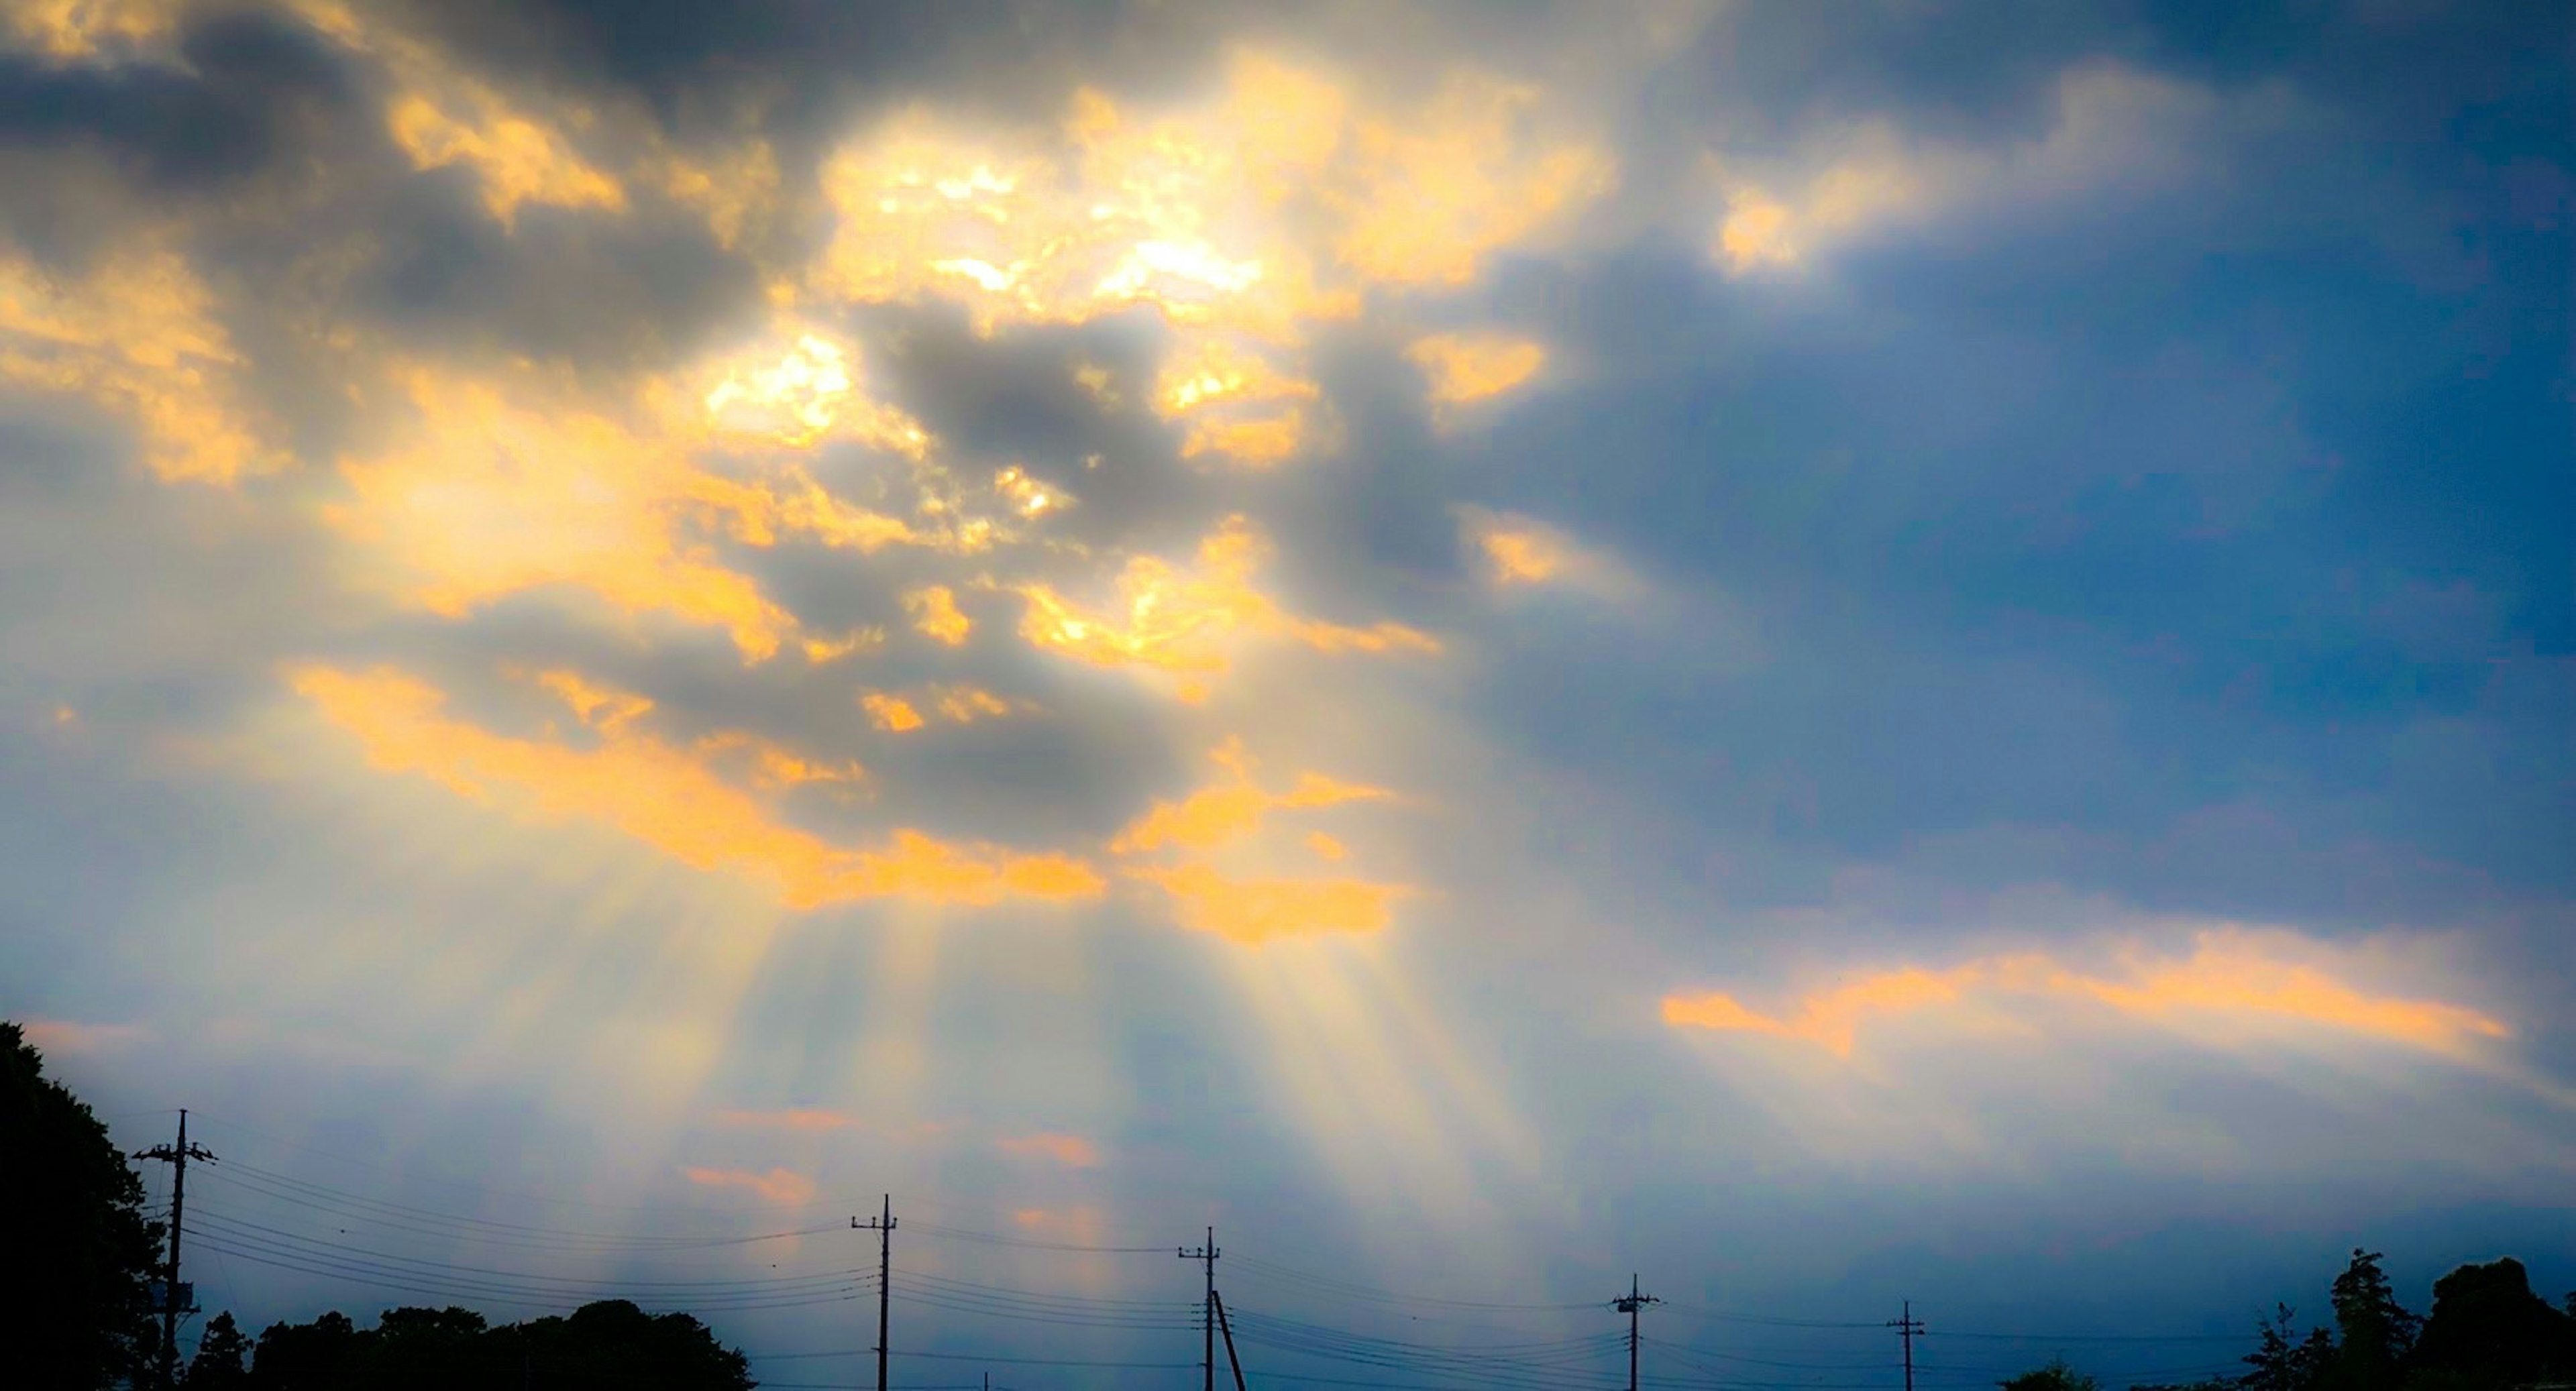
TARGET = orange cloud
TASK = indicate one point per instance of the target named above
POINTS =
(137, 335)
(1071, 1151)
(66, 1036)
(891, 713)
(490, 497)
(935, 614)
(781, 1186)
(1185, 621)
(799, 390)
(1521, 551)
(668, 798)
(90, 30)
(1232, 809)
(1462, 368)
(1254, 911)
(798, 1119)
(2229, 981)
(1239, 220)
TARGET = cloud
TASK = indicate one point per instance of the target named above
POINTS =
(136, 333)
(670, 799)
(1240, 219)
(1188, 621)
(68, 1036)
(1231, 809)
(796, 1119)
(2232, 985)
(1520, 551)
(935, 615)
(2112, 128)
(1070, 1151)
(955, 703)
(487, 496)
(780, 1186)
(1254, 911)
(1459, 368)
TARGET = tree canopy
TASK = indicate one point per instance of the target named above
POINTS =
(85, 1318)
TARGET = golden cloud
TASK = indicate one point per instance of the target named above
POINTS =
(1231, 809)
(489, 496)
(1239, 220)
(1071, 1151)
(135, 334)
(935, 615)
(669, 798)
(1519, 551)
(784, 1187)
(1460, 368)
(67, 31)
(1253, 911)
(1171, 620)
(2230, 981)
(891, 713)
(797, 1119)
(68, 1036)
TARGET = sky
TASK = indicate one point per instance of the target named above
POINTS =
(1829, 653)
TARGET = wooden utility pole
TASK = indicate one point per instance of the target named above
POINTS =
(177, 1157)
(1206, 1255)
(883, 1225)
(1906, 1327)
(1629, 1304)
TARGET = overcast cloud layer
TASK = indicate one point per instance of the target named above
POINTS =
(1833, 652)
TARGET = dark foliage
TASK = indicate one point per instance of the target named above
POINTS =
(610, 1344)
(79, 1315)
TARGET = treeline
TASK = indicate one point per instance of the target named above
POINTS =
(611, 1344)
(2487, 1331)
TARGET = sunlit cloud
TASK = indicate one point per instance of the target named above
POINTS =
(793, 1119)
(1231, 809)
(486, 496)
(935, 615)
(70, 1036)
(65, 31)
(1256, 907)
(135, 334)
(1460, 368)
(956, 704)
(1240, 219)
(2112, 126)
(1070, 1151)
(1187, 623)
(891, 713)
(2231, 985)
(1520, 552)
(803, 389)
(1253, 910)
(669, 798)
(784, 1187)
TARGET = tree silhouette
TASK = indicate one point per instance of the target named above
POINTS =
(67, 1192)
(219, 1364)
(2056, 1376)
(608, 1346)
(2378, 1332)
(2489, 1329)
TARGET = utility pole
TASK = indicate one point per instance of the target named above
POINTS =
(883, 1225)
(177, 1157)
(1629, 1304)
(1906, 1327)
(1226, 1326)
(1206, 1255)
